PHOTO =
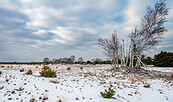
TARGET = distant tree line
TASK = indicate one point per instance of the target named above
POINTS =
(30, 63)
(162, 59)
(71, 60)
(64, 60)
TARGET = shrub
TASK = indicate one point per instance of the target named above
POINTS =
(108, 93)
(81, 68)
(29, 72)
(47, 72)
(22, 70)
(68, 68)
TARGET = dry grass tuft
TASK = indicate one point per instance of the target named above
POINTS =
(32, 99)
(117, 83)
(142, 79)
(105, 76)
(20, 89)
(102, 82)
(132, 80)
(45, 97)
(121, 77)
(86, 74)
(54, 81)
(147, 85)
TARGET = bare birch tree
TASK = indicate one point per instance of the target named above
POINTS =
(111, 48)
(151, 30)
(143, 38)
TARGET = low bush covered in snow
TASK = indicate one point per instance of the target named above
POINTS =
(68, 68)
(29, 72)
(22, 70)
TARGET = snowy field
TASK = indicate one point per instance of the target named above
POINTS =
(163, 69)
(81, 85)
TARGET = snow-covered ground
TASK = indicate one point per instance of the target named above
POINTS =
(80, 85)
(163, 69)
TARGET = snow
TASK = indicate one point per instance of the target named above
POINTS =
(78, 85)
(163, 69)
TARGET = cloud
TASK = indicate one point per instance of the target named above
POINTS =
(63, 32)
(33, 29)
(40, 32)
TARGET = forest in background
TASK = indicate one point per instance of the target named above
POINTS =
(162, 59)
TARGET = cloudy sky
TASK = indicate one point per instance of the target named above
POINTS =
(33, 29)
